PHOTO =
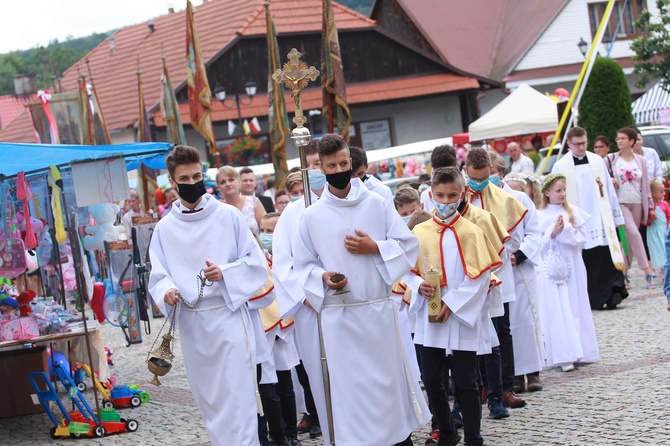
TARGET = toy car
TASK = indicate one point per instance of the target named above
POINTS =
(123, 395)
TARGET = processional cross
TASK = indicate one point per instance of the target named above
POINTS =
(296, 75)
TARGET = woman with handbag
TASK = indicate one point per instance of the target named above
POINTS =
(632, 185)
(565, 312)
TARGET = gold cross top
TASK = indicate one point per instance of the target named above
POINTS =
(296, 75)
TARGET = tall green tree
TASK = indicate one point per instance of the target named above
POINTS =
(652, 48)
(10, 66)
(606, 104)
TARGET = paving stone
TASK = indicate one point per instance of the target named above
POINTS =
(618, 400)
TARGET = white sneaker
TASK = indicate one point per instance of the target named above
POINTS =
(567, 367)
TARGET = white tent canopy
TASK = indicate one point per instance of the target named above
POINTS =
(524, 111)
(646, 108)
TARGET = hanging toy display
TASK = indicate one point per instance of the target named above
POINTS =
(12, 249)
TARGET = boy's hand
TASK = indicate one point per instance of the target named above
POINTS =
(444, 314)
(172, 296)
(332, 285)
(362, 244)
(427, 290)
(212, 272)
(307, 304)
(512, 259)
(668, 306)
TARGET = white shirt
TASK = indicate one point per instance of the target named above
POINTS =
(523, 164)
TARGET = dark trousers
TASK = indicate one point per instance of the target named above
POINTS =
(463, 367)
(501, 325)
(272, 419)
(309, 400)
(492, 374)
(287, 401)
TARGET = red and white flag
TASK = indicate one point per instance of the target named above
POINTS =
(255, 126)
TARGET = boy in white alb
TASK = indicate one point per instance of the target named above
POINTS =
(202, 237)
(366, 356)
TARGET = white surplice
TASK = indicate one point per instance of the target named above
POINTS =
(465, 297)
(565, 313)
(217, 340)
(587, 198)
(523, 319)
(376, 398)
(381, 189)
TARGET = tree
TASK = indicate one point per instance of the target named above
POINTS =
(606, 104)
(652, 49)
(10, 66)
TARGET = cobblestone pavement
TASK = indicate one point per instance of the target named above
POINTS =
(619, 400)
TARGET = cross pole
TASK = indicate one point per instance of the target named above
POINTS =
(296, 76)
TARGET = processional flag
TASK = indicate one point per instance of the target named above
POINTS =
(146, 188)
(170, 110)
(86, 113)
(99, 126)
(199, 94)
(277, 117)
(335, 108)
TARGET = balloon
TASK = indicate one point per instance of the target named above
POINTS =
(158, 195)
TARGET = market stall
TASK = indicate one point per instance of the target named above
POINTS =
(524, 112)
(47, 192)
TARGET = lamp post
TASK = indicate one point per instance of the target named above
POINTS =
(583, 46)
(250, 89)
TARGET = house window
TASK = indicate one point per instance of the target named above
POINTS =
(626, 12)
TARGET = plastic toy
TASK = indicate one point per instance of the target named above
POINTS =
(80, 422)
(121, 395)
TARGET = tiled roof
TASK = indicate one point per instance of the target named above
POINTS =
(560, 70)
(295, 16)
(485, 38)
(219, 23)
(11, 106)
(377, 91)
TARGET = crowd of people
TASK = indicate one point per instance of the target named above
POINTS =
(370, 297)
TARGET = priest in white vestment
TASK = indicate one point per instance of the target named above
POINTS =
(376, 397)
(204, 237)
(590, 188)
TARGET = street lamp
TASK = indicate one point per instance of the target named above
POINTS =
(582, 45)
(250, 88)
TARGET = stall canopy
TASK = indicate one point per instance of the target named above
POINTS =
(34, 158)
(647, 108)
(524, 111)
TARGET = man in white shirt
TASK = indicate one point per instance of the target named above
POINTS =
(135, 210)
(519, 162)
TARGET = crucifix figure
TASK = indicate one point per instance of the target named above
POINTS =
(600, 186)
(296, 75)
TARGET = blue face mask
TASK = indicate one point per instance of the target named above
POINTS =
(478, 186)
(317, 179)
(446, 209)
(495, 179)
(266, 241)
(406, 218)
(295, 199)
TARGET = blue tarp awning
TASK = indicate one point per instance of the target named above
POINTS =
(33, 158)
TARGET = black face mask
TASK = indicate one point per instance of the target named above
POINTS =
(339, 180)
(191, 192)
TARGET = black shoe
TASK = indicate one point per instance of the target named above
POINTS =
(614, 301)
(451, 441)
(293, 441)
(457, 418)
(315, 431)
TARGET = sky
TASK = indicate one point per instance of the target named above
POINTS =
(30, 23)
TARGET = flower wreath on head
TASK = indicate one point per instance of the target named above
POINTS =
(550, 180)
(532, 179)
(516, 177)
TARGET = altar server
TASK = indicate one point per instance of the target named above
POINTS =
(202, 237)
(376, 397)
